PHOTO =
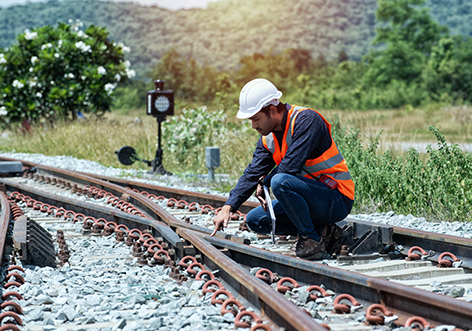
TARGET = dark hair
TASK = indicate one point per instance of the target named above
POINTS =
(280, 108)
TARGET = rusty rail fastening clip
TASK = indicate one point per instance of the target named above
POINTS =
(283, 287)
(208, 287)
(417, 322)
(445, 263)
(375, 314)
(340, 307)
(266, 275)
(412, 256)
(215, 298)
(234, 307)
(314, 289)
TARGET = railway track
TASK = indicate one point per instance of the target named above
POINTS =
(265, 278)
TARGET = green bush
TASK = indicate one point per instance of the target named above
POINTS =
(440, 188)
(188, 134)
(56, 73)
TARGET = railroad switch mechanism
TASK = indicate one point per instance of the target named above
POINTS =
(11, 168)
(366, 240)
(33, 244)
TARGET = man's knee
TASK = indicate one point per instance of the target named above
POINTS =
(255, 221)
(252, 220)
(277, 182)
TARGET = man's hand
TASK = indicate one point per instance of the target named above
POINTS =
(221, 220)
(260, 195)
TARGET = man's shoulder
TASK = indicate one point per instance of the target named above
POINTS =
(309, 114)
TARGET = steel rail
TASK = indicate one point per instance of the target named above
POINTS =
(438, 243)
(401, 299)
(5, 217)
(160, 228)
(271, 303)
(139, 200)
(398, 298)
(462, 247)
(257, 292)
(403, 236)
(203, 198)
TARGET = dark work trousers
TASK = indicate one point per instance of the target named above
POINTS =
(303, 207)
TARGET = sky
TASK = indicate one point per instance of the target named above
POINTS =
(169, 4)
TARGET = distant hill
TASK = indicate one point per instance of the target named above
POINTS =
(226, 30)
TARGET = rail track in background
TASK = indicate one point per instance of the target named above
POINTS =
(232, 255)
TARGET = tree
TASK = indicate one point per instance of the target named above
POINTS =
(406, 40)
(53, 73)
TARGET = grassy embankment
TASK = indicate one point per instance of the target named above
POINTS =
(434, 185)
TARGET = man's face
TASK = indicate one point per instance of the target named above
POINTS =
(263, 122)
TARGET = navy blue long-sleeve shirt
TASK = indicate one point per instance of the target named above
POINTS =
(310, 140)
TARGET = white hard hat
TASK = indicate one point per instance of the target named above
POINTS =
(255, 95)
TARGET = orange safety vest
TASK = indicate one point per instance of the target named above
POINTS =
(331, 163)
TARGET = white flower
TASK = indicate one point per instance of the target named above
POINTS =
(117, 77)
(80, 33)
(59, 43)
(30, 35)
(126, 49)
(82, 46)
(71, 75)
(52, 82)
(32, 83)
(56, 55)
(3, 111)
(48, 45)
(82, 77)
(103, 47)
(101, 70)
(30, 69)
(34, 59)
(70, 21)
(2, 58)
(18, 84)
(39, 95)
(130, 73)
(127, 63)
(109, 87)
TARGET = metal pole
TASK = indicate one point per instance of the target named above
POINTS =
(211, 174)
(158, 168)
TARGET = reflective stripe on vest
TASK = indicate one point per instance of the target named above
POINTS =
(330, 163)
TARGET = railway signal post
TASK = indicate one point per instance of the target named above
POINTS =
(160, 103)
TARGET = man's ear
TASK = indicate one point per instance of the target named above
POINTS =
(273, 110)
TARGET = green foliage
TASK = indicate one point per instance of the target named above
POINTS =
(448, 72)
(409, 34)
(226, 30)
(439, 188)
(186, 137)
(53, 73)
(130, 95)
(192, 81)
(194, 129)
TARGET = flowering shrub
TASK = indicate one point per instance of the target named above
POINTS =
(194, 130)
(53, 73)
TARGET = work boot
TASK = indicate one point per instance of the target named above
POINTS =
(330, 235)
(309, 249)
(334, 237)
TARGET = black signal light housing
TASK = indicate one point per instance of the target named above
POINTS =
(160, 102)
